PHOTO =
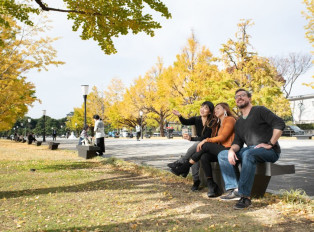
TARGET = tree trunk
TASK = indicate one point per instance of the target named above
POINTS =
(161, 128)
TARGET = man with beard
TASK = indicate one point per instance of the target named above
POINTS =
(259, 129)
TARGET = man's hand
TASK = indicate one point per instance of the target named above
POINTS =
(199, 146)
(264, 145)
(232, 157)
(187, 137)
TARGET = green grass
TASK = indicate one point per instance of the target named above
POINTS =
(295, 196)
(67, 193)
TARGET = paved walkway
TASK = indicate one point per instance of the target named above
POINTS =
(159, 152)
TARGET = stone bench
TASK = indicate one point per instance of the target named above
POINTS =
(29, 142)
(263, 174)
(53, 145)
(38, 143)
(303, 136)
(87, 152)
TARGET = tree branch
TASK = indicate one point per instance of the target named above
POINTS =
(45, 8)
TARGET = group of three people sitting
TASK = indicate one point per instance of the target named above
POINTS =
(221, 137)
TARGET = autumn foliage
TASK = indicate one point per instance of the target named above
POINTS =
(309, 34)
(98, 20)
(195, 76)
(21, 52)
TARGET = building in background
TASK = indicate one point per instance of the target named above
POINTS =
(302, 108)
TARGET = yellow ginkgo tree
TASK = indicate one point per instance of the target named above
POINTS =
(20, 52)
(309, 34)
(153, 98)
(249, 71)
(185, 79)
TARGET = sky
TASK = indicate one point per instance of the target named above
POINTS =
(278, 31)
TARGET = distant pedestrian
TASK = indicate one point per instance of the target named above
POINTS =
(21, 138)
(99, 129)
(138, 132)
(84, 137)
(31, 138)
(54, 134)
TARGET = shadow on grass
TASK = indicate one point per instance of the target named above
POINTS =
(128, 181)
(200, 214)
(70, 166)
(166, 223)
(210, 219)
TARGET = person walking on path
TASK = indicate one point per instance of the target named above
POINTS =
(259, 129)
(203, 125)
(99, 130)
(138, 132)
(54, 134)
(208, 149)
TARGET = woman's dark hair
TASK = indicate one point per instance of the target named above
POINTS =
(210, 118)
(96, 116)
(210, 105)
(85, 127)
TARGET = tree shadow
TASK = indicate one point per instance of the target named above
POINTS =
(130, 180)
(200, 218)
(70, 166)
(202, 211)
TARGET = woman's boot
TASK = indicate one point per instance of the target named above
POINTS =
(174, 164)
(213, 189)
(182, 170)
(196, 185)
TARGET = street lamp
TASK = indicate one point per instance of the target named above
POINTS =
(29, 123)
(141, 114)
(44, 134)
(14, 137)
(24, 129)
(85, 93)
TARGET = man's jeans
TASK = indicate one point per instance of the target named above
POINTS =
(249, 157)
(195, 167)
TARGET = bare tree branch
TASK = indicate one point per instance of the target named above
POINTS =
(291, 68)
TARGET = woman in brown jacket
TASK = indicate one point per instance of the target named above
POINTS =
(209, 148)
